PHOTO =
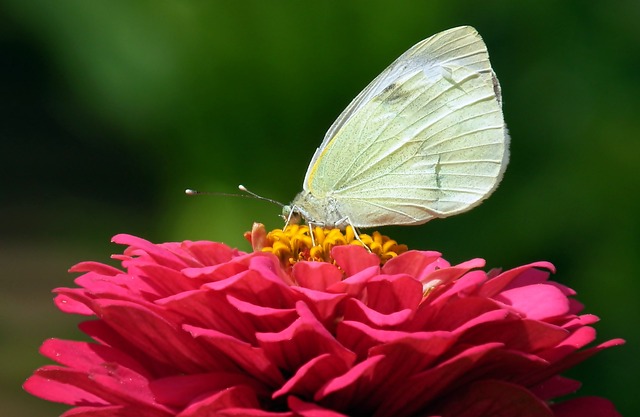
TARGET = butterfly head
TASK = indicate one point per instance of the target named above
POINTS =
(292, 214)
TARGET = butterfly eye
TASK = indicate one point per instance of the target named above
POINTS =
(291, 214)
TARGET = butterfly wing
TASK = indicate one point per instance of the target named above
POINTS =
(425, 139)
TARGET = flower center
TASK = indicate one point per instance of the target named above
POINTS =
(294, 243)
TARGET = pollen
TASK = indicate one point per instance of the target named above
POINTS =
(295, 243)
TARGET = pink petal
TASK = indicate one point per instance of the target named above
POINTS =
(142, 247)
(264, 319)
(415, 263)
(265, 289)
(520, 335)
(358, 311)
(194, 307)
(210, 253)
(96, 267)
(161, 339)
(451, 313)
(566, 356)
(216, 272)
(413, 353)
(90, 357)
(99, 331)
(351, 389)
(538, 302)
(452, 273)
(305, 339)
(316, 275)
(51, 389)
(68, 303)
(497, 284)
(417, 391)
(580, 321)
(240, 396)
(369, 384)
(311, 376)
(573, 342)
(324, 305)
(353, 259)
(355, 284)
(466, 285)
(165, 282)
(240, 355)
(388, 294)
(80, 388)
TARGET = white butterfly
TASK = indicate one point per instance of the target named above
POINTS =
(426, 139)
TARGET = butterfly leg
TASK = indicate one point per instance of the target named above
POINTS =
(311, 226)
(347, 222)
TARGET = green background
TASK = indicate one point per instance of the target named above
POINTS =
(109, 110)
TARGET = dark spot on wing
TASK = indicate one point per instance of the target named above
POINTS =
(394, 93)
(389, 88)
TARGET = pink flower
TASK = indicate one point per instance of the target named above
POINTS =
(199, 329)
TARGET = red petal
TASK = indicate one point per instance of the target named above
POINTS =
(305, 409)
(179, 391)
(556, 386)
(585, 407)
(115, 411)
(494, 398)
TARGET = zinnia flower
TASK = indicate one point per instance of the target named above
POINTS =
(197, 329)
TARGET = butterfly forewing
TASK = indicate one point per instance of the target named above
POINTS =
(425, 139)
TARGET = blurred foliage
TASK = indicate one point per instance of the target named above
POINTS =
(110, 109)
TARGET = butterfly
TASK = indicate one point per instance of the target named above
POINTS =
(425, 139)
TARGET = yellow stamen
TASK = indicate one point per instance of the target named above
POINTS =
(294, 244)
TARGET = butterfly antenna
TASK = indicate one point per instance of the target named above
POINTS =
(190, 191)
(259, 197)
